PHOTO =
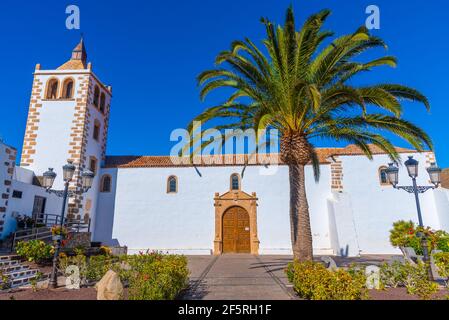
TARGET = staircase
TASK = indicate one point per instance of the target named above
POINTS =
(14, 274)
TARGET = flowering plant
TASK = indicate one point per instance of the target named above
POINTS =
(59, 231)
(407, 234)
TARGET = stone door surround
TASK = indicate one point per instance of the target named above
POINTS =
(235, 198)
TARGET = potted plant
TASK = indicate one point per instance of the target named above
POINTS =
(59, 232)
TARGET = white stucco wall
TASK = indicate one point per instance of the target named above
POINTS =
(7, 158)
(146, 217)
(54, 129)
(94, 148)
(376, 207)
(24, 205)
(356, 221)
(442, 207)
(104, 213)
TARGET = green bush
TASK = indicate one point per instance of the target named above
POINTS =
(34, 250)
(408, 275)
(417, 281)
(314, 282)
(157, 277)
(5, 281)
(151, 276)
(404, 234)
(98, 266)
(442, 263)
(392, 275)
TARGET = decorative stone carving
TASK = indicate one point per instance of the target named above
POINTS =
(372, 277)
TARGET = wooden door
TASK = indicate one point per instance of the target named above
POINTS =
(236, 231)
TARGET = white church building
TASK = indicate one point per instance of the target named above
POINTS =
(148, 202)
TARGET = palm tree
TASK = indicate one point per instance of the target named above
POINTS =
(302, 87)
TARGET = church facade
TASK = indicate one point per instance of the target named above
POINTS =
(150, 202)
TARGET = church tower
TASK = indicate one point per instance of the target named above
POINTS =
(68, 119)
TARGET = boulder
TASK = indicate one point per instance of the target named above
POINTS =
(109, 287)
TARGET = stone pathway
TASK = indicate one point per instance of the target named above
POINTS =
(238, 277)
(247, 277)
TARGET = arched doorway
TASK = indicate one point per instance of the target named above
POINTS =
(236, 231)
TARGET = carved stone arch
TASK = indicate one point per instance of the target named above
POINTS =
(236, 198)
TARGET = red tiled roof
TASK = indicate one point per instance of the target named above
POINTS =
(228, 160)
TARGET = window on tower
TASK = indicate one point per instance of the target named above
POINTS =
(52, 89)
(67, 91)
(97, 129)
(106, 183)
(172, 185)
(96, 96)
(102, 102)
(93, 165)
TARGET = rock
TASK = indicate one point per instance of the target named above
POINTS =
(109, 287)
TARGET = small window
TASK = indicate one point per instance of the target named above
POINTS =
(97, 128)
(383, 176)
(17, 194)
(102, 102)
(235, 182)
(52, 89)
(106, 183)
(93, 165)
(67, 92)
(172, 185)
(96, 96)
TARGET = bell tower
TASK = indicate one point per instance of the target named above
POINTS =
(68, 119)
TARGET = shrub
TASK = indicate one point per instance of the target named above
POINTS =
(59, 231)
(157, 277)
(98, 266)
(414, 277)
(5, 281)
(405, 234)
(104, 250)
(417, 281)
(442, 263)
(442, 240)
(34, 250)
(314, 282)
(392, 275)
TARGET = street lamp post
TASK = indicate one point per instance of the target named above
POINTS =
(412, 169)
(48, 180)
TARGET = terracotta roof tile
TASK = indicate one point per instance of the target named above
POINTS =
(73, 65)
(227, 160)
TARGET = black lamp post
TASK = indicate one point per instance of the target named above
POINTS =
(49, 177)
(435, 177)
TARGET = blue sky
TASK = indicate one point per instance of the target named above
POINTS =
(152, 51)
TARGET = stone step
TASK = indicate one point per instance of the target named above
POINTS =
(23, 281)
(14, 268)
(22, 273)
(9, 257)
(9, 263)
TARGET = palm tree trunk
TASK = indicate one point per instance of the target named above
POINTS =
(301, 233)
